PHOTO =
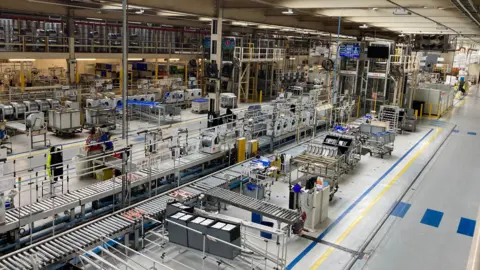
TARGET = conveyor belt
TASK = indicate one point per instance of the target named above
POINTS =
(70, 244)
(59, 204)
(253, 205)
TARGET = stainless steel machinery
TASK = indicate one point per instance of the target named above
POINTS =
(210, 141)
(19, 110)
(43, 105)
(331, 159)
(6, 111)
(53, 103)
(31, 106)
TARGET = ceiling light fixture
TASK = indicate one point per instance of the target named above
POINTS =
(401, 11)
(204, 19)
(95, 19)
(441, 8)
(130, 22)
(374, 9)
(141, 11)
(21, 60)
(288, 12)
(240, 23)
(86, 59)
(135, 59)
(364, 26)
(264, 26)
(425, 7)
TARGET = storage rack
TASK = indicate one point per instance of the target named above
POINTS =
(390, 114)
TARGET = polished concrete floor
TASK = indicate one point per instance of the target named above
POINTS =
(433, 226)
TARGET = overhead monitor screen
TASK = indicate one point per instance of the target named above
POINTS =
(350, 50)
(378, 52)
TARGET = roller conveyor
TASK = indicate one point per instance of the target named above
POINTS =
(60, 248)
(67, 245)
(250, 204)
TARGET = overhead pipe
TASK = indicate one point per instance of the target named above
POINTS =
(465, 10)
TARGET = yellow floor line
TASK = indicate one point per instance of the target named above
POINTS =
(369, 207)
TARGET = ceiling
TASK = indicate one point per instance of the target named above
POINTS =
(458, 17)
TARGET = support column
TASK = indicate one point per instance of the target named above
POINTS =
(216, 52)
(124, 68)
(22, 76)
(71, 62)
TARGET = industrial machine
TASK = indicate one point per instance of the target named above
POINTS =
(19, 110)
(31, 106)
(410, 120)
(53, 103)
(176, 96)
(6, 111)
(228, 100)
(35, 121)
(333, 158)
(43, 105)
(210, 140)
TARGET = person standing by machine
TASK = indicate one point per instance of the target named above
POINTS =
(54, 166)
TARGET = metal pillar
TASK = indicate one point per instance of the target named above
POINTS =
(216, 52)
(336, 62)
(124, 69)
(71, 62)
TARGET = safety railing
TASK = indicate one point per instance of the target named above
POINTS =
(407, 63)
(251, 54)
(96, 45)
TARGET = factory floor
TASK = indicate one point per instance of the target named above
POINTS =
(434, 224)
(416, 213)
(365, 199)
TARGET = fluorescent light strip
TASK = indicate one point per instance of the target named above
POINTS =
(86, 59)
(135, 59)
(95, 19)
(21, 60)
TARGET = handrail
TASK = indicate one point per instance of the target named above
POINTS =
(474, 256)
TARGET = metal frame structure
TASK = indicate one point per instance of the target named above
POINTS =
(250, 58)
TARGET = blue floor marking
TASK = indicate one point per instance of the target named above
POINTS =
(432, 218)
(471, 133)
(456, 131)
(466, 226)
(336, 221)
(401, 209)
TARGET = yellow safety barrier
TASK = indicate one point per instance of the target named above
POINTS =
(421, 111)
(430, 110)
(416, 114)
(241, 149)
(260, 97)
